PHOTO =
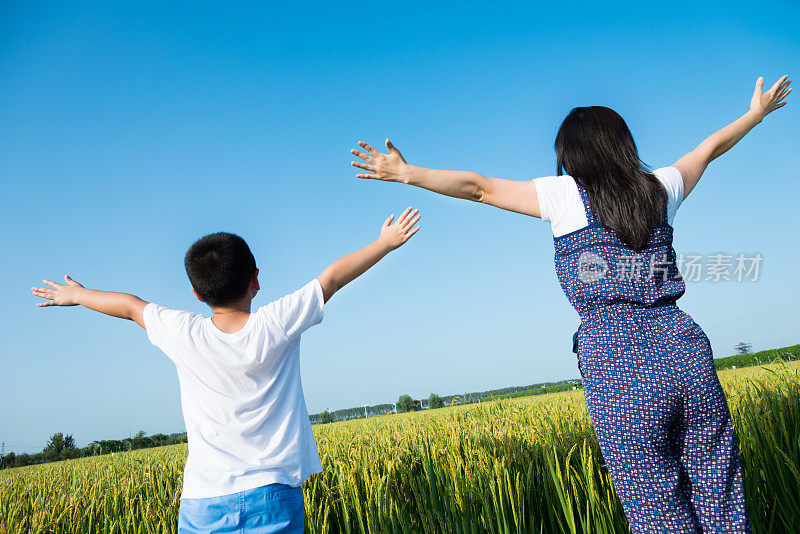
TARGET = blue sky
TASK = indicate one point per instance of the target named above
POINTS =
(128, 131)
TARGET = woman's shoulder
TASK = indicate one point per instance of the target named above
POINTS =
(671, 179)
(556, 184)
(560, 203)
(669, 174)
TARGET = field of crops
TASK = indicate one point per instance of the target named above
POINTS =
(518, 465)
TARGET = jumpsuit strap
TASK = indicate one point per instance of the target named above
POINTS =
(591, 220)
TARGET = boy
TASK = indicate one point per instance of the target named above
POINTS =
(250, 438)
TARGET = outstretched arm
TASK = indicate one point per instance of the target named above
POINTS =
(693, 164)
(512, 195)
(120, 305)
(345, 270)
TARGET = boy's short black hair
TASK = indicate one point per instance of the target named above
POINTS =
(220, 267)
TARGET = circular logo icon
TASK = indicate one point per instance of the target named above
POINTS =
(591, 267)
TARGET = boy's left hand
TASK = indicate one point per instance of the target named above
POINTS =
(395, 235)
(58, 294)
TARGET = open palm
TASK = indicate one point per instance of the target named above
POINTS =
(389, 167)
(765, 103)
(57, 294)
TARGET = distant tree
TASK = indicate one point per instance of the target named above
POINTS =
(743, 348)
(435, 401)
(326, 417)
(405, 404)
(69, 443)
(8, 460)
(55, 444)
(111, 445)
(140, 434)
(22, 460)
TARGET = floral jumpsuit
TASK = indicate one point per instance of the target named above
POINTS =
(656, 403)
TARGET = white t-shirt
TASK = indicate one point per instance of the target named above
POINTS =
(560, 201)
(242, 399)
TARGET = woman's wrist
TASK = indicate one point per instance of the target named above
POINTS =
(754, 115)
(76, 293)
(383, 246)
(407, 174)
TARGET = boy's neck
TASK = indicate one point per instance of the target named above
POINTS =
(231, 318)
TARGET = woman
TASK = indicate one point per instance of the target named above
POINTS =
(655, 401)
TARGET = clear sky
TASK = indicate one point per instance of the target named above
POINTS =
(129, 130)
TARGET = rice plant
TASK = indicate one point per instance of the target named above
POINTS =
(515, 465)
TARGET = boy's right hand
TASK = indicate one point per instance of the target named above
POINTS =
(394, 235)
(346, 269)
(57, 294)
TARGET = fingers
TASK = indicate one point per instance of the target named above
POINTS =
(43, 292)
(45, 304)
(402, 218)
(760, 84)
(364, 166)
(782, 87)
(390, 147)
(784, 90)
(52, 284)
(368, 148)
(388, 220)
(412, 232)
(779, 83)
(411, 220)
(365, 157)
(368, 176)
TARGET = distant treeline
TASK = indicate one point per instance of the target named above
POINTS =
(62, 447)
(449, 400)
(740, 360)
(514, 391)
(574, 384)
(351, 413)
(786, 354)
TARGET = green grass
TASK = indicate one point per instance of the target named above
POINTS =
(785, 354)
(558, 388)
(516, 465)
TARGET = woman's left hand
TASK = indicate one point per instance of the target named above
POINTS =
(389, 167)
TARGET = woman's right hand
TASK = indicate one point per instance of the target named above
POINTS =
(762, 104)
(389, 167)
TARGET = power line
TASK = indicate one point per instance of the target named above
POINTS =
(753, 314)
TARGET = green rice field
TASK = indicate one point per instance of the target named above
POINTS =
(513, 465)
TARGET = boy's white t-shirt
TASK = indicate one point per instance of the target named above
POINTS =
(560, 201)
(242, 399)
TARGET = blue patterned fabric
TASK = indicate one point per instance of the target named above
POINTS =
(656, 403)
(270, 509)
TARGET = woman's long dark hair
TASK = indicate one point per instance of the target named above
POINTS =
(595, 146)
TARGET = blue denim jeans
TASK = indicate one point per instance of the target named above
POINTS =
(270, 509)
